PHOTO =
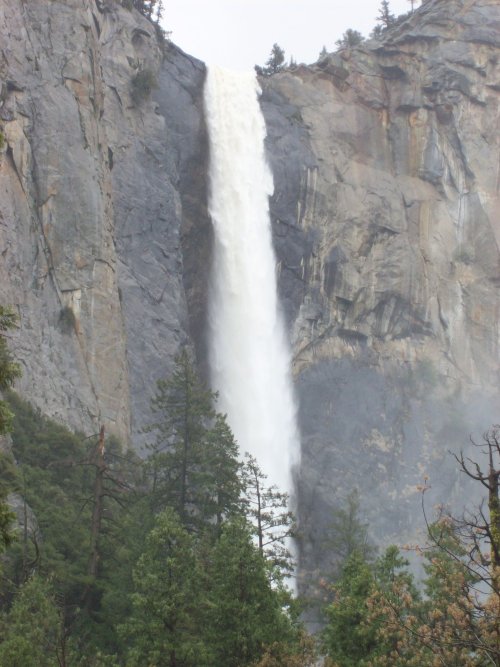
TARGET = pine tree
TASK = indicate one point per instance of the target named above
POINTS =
(194, 466)
(385, 17)
(274, 64)
(31, 632)
(183, 408)
(347, 533)
(268, 512)
(347, 638)
(323, 53)
(221, 482)
(349, 39)
(247, 611)
(9, 371)
(164, 628)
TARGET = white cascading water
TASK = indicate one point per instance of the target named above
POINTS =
(249, 351)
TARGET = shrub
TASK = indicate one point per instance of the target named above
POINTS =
(67, 320)
(142, 85)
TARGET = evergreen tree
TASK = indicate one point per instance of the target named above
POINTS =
(267, 510)
(377, 32)
(274, 64)
(194, 467)
(347, 638)
(221, 483)
(323, 53)
(9, 371)
(347, 534)
(145, 7)
(164, 628)
(247, 612)
(31, 632)
(183, 408)
(349, 39)
(360, 629)
(301, 653)
(378, 618)
(385, 17)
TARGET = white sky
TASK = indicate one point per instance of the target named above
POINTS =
(240, 33)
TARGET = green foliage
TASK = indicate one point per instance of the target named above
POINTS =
(2, 140)
(30, 632)
(323, 53)
(164, 626)
(193, 465)
(267, 509)
(360, 630)
(347, 534)
(142, 85)
(67, 320)
(179, 579)
(246, 612)
(385, 17)
(378, 618)
(9, 369)
(349, 39)
(301, 653)
(50, 479)
(347, 638)
(274, 64)
(146, 7)
(56, 478)
(221, 483)
(6, 519)
(385, 20)
(8, 483)
(9, 480)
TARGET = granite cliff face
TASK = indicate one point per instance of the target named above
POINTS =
(92, 206)
(387, 221)
(386, 218)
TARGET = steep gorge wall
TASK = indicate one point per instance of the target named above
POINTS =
(92, 208)
(387, 224)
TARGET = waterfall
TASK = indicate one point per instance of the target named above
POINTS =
(249, 351)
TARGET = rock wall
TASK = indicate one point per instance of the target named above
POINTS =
(92, 206)
(387, 223)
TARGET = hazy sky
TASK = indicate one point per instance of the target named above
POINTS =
(240, 33)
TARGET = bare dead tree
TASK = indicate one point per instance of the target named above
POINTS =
(483, 527)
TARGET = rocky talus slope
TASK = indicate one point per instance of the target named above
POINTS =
(386, 219)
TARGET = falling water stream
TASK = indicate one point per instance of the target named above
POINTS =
(249, 351)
